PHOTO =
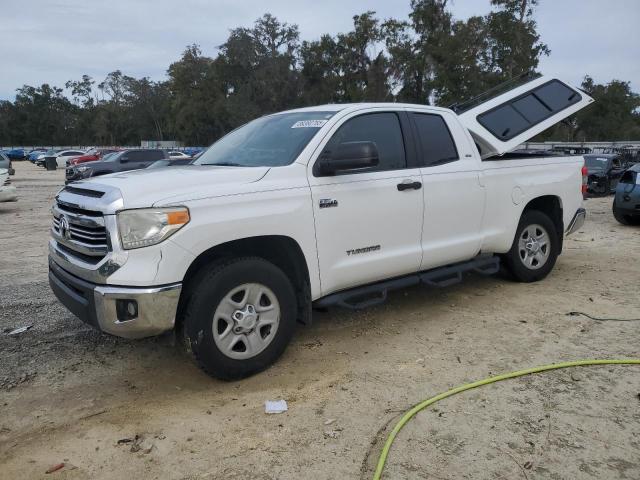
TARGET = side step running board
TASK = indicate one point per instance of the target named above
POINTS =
(375, 294)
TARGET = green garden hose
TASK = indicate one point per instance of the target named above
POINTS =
(424, 404)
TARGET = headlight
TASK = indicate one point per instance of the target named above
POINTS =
(81, 169)
(148, 226)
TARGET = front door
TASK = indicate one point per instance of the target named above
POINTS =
(368, 223)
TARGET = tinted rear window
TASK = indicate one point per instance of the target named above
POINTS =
(437, 145)
(517, 115)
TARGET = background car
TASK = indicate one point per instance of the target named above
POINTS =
(179, 155)
(118, 162)
(5, 163)
(626, 203)
(7, 191)
(62, 156)
(16, 154)
(604, 172)
(33, 155)
(41, 158)
(91, 156)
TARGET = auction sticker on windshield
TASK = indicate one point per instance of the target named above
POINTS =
(309, 124)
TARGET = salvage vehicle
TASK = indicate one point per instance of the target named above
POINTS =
(6, 163)
(16, 154)
(604, 172)
(118, 162)
(175, 155)
(91, 156)
(7, 191)
(61, 157)
(626, 203)
(324, 206)
(35, 153)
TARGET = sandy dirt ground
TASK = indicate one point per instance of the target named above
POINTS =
(71, 395)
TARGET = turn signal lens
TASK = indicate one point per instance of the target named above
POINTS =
(178, 218)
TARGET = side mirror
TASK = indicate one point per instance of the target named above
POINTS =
(348, 156)
(124, 159)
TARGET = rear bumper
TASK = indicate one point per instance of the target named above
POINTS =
(97, 305)
(577, 221)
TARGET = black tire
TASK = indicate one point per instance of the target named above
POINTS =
(623, 219)
(206, 292)
(513, 260)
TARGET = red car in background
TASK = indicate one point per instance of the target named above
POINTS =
(92, 156)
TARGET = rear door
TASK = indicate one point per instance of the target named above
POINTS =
(454, 199)
(502, 123)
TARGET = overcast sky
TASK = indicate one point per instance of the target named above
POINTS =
(52, 41)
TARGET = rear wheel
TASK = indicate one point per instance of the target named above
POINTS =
(239, 318)
(535, 248)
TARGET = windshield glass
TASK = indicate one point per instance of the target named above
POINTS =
(596, 162)
(271, 141)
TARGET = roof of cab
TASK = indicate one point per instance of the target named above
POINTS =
(337, 107)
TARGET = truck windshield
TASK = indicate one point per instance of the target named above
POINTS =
(270, 141)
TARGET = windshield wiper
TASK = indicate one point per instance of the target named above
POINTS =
(225, 164)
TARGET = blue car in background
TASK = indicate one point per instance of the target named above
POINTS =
(626, 204)
(16, 154)
(33, 155)
(192, 151)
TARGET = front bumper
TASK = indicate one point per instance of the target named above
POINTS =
(72, 175)
(8, 194)
(96, 304)
(577, 221)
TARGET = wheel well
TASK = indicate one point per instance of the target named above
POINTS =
(551, 206)
(284, 252)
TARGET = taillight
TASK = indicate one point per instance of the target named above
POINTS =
(585, 175)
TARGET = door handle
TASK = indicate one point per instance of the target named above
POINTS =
(409, 186)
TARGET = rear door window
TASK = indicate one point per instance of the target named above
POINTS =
(434, 139)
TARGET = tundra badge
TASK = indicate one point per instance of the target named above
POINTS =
(328, 202)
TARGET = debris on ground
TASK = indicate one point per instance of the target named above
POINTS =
(19, 330)
(335, 433)
(275, 406)
(55, 468)
(137, 444)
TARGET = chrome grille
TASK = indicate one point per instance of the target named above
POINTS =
(81, 231)
(7, 182)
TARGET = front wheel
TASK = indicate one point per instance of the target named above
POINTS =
(535, 248)
(239, 318)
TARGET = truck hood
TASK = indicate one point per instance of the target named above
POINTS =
(169, 185)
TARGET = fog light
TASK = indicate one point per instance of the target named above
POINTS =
(126, 309)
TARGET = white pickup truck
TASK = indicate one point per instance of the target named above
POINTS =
(321, 206)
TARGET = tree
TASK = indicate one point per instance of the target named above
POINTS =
(428, 58)
(514, 43)
(419, 49)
